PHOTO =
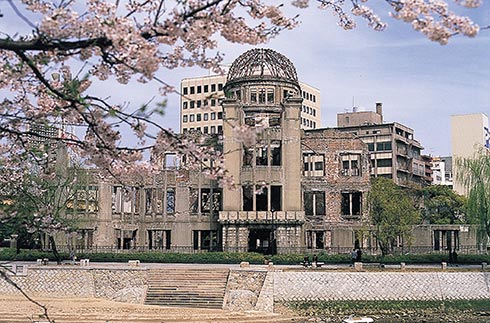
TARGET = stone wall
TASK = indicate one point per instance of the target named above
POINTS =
(257, 288)
(243, 289)
(324, 286)
(124, 285)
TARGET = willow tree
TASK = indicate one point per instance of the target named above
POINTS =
(392, 213)
(474, 175)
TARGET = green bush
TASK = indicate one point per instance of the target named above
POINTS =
(7, 254)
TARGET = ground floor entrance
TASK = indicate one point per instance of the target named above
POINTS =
(262, 241)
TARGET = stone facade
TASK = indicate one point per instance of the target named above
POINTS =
(343, 186)
(297, 191)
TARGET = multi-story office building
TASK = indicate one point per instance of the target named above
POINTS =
(201, 109)
(442, 169)
(469, 135)
(394, 151)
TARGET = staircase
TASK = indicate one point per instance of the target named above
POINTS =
(184, 287)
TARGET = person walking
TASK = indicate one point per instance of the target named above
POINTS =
(359, 255)
(314, 261)
(353, 256)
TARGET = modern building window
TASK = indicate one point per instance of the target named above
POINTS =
(205, 117)
(206, 129)
(370, 146)
(314, 203)
(192, 90)
(220, 129)
(381, 146)
(220, 87)
(213, 102)
(184, 118)
(213, 129)
(384, 162)
(199, 102)
(213, 87)
(220, 115)
(192, 104)
(351, 164)
(351, 203)
(213, 115)
(185, 104)
(206, 88)
(199, 89)
(198, 117)
(185, 91)
(191, 118)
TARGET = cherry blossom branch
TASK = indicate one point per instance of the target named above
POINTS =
(30, 299)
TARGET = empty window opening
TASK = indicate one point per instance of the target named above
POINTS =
(276, 198)
(205, 239)
(275, 153)
(159, 239)
(313, 164)
(351, 203)
(248, 202)
(350, 165)
(314, 203)
(261, 198)
(211, 201)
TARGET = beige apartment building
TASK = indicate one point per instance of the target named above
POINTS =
(394, 152)
(469, 134)
(201, 110)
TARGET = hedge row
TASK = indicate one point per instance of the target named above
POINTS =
(157, 257)
(409, 259)
(8, 254)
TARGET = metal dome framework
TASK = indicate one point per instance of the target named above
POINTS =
(262, 63)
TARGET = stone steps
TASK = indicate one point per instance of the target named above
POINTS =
(187, 287)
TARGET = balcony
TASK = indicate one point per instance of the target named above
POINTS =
(262, 217)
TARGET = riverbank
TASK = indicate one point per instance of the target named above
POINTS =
(463, 311)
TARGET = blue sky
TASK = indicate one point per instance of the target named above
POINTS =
(420, 83)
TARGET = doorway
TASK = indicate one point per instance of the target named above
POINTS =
(261, 241)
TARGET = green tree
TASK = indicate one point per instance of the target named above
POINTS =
(474, 175)
(441, 205)
(392, 213)
(37, 203)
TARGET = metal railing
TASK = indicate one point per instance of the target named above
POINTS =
(417, 250)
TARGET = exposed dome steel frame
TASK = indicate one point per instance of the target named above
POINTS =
(262, 63)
